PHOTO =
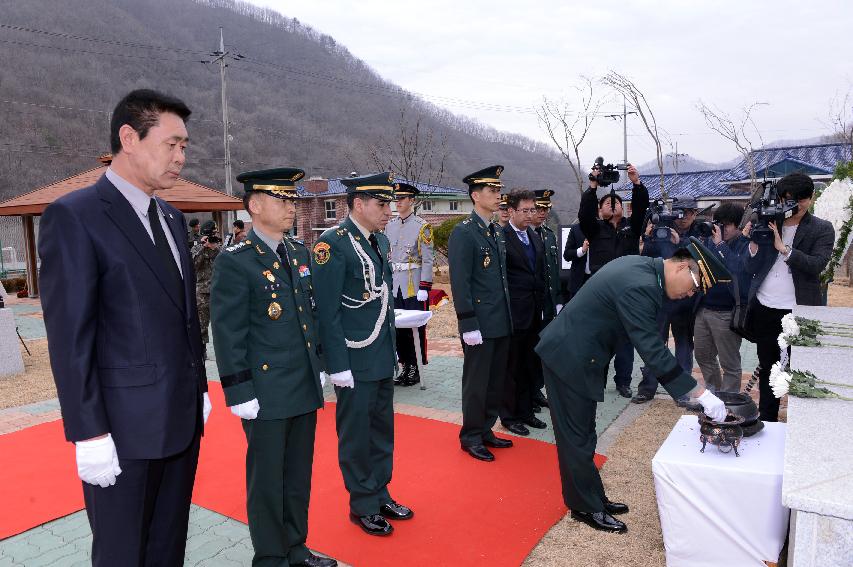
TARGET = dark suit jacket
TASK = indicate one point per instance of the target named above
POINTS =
(570, 254)
(526, 286)
(810, 254)
(126, 351)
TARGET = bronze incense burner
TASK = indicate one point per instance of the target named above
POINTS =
(726, 435)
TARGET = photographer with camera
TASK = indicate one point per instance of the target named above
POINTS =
(666, 234)
(610, 235)
(790, 248)
(204, 253)
(712, 334)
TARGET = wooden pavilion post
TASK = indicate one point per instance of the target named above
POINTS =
(32, 256)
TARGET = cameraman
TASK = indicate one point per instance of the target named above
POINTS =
(785, 272)
(676, 315)
(712, 334)
(204, 254)
(237, 234)
(610, 236)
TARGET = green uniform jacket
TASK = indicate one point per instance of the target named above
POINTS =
(341, 283)
(478, 278)
(552, 272)
(273, 360)
(620, 301)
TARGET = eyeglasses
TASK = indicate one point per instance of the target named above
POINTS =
(693, 277)
(526, 211)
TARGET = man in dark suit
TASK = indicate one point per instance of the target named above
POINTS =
(575, 252)
(118, 292)
(525, 276)
(785, 272)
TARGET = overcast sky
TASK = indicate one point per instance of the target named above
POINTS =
(793, 55)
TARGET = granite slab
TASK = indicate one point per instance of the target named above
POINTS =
(818, 472)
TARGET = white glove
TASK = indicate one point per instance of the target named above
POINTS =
(97, 461)
(247, 410)
(559, 308)
(423, 295)
(472, 338)
(206, 407)
(323, 377)
(713, 406)
(342, 379)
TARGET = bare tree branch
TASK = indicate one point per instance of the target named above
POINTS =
(841, 118)
(624, 86)
(567, 123)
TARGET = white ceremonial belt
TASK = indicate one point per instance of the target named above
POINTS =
(404, 266)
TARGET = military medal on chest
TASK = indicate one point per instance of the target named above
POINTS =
(274, 310)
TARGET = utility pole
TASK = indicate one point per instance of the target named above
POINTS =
(219, 56)
(624, 117)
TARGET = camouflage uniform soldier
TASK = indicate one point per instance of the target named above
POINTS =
(411, 263)
(204, 252)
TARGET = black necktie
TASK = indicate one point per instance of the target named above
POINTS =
(170, 268)
(375, 244)
(282, 253)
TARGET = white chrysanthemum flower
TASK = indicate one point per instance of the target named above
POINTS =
(783, 341)
(789, 325)
(780, 384)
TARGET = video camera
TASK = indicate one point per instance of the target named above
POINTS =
(211, 234)
(771, 208)
(663, 219)
(706, 228)
(607, 174)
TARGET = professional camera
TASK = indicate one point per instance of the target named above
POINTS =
(209, 230)
(771, 208)
(607, 174)
(663, 219)
(706, 228)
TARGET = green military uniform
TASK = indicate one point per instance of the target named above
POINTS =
(356, 314)
(619, 303)
(552, 265)
(266, 343)
(203, 258)
(477, 257)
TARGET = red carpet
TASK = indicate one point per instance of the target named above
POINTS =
(466, 512)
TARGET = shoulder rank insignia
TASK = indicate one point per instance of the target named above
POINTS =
(322, 252)
(238, 246)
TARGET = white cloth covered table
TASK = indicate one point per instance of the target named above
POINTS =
(717, 509)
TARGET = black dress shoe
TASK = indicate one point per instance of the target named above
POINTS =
(374, 524)
(540, 400)
(400, 379)
(497, 443)
(479, 452)
(537, 409)
(624, 391)
(614, 508)
(600, 521)
(413, 377)
(535, 423)
(316, 561)
(517, 428)
(641, 398)
(393, 511)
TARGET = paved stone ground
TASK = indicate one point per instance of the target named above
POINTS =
(216, 540)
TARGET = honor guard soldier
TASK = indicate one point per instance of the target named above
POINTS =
(477, 256)
(352, 277)
(411, 263)
(266, 343)
(620, 302)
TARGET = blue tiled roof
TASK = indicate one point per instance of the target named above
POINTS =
(693, 183)
(337, 188)
(821, 156)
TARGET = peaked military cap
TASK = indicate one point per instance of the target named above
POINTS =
(377, 185)
(279, 182)
(402, 189)
(711, 267)
(543, 198)
(504, 205)
(490, 176)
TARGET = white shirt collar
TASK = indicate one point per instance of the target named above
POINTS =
(364, 231)
(516, 229)
(137, 198)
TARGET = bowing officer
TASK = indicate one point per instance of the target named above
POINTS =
(619, 303)
(265, 338)
(352, 278)
(411, 263)
(477, 257)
